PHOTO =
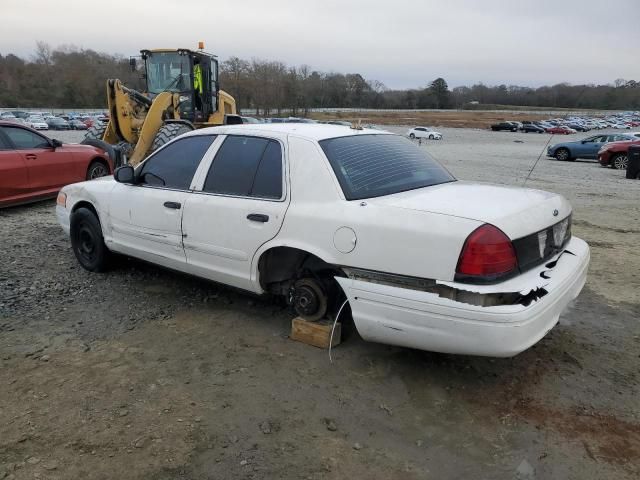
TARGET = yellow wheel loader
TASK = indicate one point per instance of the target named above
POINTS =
(182, 94)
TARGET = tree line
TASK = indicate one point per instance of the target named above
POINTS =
(71, 77)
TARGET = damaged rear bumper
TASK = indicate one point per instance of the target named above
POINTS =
(431, 321)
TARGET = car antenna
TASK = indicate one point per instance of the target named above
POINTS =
(548, 141)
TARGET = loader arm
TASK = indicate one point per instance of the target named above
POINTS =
(135, 119)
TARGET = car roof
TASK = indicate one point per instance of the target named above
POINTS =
(311, 131)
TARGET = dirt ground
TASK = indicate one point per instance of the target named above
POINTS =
(142, 373)
(440, 118)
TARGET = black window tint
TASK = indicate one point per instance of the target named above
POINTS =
(24, 139)
(175, 165)
(235, 165)
(374, 165)
(268, 179)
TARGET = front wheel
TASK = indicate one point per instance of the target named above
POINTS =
(620, 161)
(87, 241)
(412, 136)
(562, 154)
(430, 137)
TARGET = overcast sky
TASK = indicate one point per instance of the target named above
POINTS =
(401, 43)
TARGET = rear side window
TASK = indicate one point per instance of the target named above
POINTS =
(268, 179)
(175, 165)
(374, 165)
(25, 139)
(247, 167)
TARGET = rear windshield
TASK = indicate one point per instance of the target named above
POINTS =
(374, 165)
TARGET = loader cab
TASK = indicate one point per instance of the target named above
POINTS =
(193, 75)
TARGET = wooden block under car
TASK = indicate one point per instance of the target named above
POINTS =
(317, 333)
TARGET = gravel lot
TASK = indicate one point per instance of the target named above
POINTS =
(144, 373)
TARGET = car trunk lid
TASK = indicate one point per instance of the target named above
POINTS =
(518, 212)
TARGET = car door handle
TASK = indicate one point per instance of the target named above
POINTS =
(31, 156)
(258, 217)
(174, 205)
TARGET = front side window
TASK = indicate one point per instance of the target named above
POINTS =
(25, 139)
(175, 165)
(247, 167)
(375, 165)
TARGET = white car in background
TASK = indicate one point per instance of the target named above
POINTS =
(323, 214)
(37, 123)
(424, 132)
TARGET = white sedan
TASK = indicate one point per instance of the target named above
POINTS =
(324, 215)
(37, 123)
(424, 132)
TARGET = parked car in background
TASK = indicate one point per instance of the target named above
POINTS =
(481, 269)
(615, 154)
(578, 127)
(91, 121)
(34, 167)
(77, 125)
(532, 128)
(250, 120)
(57, 123)
(20, 114)
(424, 132)
(512, 127)
(561, 130)
(19, 121)
(586, 148)
(37, 123)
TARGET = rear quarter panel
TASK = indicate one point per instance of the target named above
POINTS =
(388, 239)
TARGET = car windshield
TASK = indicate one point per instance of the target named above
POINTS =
(375, 165)
(168, 72)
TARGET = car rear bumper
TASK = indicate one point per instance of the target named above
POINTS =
(427, 321)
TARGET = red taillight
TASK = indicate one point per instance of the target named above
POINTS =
(487, 254)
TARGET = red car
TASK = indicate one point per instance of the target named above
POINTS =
(615, 154)
(34, 167)
(561, 130)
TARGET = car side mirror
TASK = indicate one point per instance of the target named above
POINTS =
(125, 174)
(55, 143)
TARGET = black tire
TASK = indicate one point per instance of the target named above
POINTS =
(87, 241)
(620, 161)
(97, 169)
(430, 137)
(412, 136)
(96, 132)
(562, 154)
(168, 132)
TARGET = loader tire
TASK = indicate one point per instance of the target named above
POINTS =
(168, 132)
(96, 132)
